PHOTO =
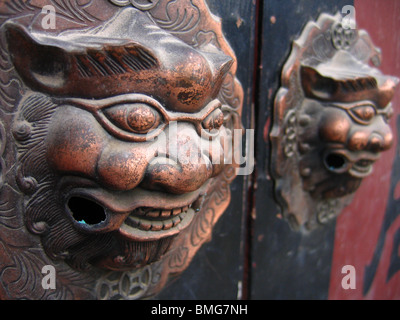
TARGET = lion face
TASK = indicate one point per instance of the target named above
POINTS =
(136, 191)
(340, 141)
(330, 121)
(126, 139)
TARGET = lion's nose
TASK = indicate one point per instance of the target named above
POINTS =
(185, 164)
(176, 177)
(380, 142)
(374, 142)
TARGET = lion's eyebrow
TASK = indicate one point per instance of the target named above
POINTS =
(114, 60)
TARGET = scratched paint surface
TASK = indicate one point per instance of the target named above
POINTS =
(368, 231)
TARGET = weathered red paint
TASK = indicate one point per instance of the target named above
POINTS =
(359, 226)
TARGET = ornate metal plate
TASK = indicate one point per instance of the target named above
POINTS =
(90, 183)
(330, 121)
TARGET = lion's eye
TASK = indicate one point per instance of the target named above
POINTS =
(136, 117)
(388, 113)
(364, 113)
(215, 120)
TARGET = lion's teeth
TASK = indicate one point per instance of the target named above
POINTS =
(140, 212)
(176, 211)
(176, 220)
(146, 218)
(141, 224)
(156, 226)
(166, 213)
(168, 224)
(145, 226)
(153, 214)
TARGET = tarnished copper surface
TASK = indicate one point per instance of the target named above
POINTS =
(104, 170)
(330, 121)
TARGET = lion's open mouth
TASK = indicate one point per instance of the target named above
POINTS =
(137, 215)
(357, 165)
(361, 168)
(142, 224)
(145, 224)
(154, 219)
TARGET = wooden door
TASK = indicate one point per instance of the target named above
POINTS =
(253, 253)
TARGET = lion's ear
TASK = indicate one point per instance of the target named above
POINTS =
(220, 65)
(315, 85)
(73, 64)
(40, 66)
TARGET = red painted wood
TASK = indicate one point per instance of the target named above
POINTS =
(359, 226)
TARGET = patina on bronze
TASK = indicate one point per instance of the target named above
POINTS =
(330, 121)
(89, 181)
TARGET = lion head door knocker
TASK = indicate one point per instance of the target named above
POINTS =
(330, 121)
(113, 129)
